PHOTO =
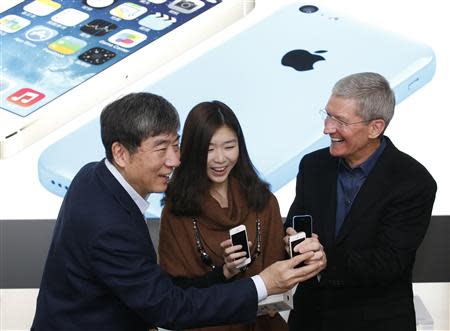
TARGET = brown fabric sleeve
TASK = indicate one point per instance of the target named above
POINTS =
(172, 234)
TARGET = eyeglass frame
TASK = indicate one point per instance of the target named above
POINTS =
(206, 259)
(340, 123)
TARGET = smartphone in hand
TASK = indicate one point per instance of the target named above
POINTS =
(238, 236)
(294, 240)
(303, 223)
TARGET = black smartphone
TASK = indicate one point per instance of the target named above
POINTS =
(303, 223)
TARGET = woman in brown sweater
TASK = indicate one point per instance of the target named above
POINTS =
(216, 188)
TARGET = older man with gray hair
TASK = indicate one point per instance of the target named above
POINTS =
(371, 205)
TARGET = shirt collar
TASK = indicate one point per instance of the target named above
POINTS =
(367, 165)
(142, 203)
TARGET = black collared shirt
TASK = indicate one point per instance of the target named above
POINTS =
(349, 182)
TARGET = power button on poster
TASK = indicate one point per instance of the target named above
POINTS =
(414, 84)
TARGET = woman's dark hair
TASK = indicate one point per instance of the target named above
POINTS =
(190, 184)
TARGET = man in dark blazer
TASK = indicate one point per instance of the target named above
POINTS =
(101, 271)
(371, 205)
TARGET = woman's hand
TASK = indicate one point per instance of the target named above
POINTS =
(232, 257)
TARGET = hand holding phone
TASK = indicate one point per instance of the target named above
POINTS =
(294, 240)
(238, 236)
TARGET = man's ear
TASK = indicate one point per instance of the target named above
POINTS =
(120, 154)
(376, 128)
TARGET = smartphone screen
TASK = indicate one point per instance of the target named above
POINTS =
(303, 223)
(240, 238)
(50, 46)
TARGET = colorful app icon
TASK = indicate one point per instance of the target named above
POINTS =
(186, 6)
(127, 38)
(98, 3)
(40, 33)
(157, 21)
(97, 55)
(25, 97)
(13, 23)
(70, 17)
(128, 11)
(98, 27)
(42, 7)
(8, 4)
(5, 84)
(67, 45)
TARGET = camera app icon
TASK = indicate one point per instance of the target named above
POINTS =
(186, 6)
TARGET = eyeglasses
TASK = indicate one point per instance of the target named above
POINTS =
(340, 123)
(206, 259)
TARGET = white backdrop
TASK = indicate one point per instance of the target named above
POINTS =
(420, 126)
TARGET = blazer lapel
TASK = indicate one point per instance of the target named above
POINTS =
(114, 187)
(328, 185)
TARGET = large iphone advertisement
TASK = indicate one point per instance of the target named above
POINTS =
(274, 66)
(266, 88)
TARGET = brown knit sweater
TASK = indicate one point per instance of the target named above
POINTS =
(179, 256)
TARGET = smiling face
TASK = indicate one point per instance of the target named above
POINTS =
(355, 142)
(149, 168)
(223, 153)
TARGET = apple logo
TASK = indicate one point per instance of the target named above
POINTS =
(302, 60)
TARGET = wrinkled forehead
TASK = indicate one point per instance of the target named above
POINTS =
(345, 107)
(161, 139)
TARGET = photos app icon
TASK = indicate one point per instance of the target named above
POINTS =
(127, 38)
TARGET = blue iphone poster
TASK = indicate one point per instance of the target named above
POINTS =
(419, 127)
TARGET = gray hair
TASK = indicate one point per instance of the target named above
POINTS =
(134, 118)
(372, 92)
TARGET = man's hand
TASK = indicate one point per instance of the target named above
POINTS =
(283, 275)
(309, 244)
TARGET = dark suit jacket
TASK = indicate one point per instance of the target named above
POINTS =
(367, 282)
(101, 271)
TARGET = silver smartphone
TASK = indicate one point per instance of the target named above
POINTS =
(294, 240)
(238, 236)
